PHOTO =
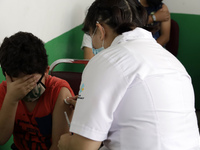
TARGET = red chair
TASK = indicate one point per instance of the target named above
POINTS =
(73, 78)
(173, 44)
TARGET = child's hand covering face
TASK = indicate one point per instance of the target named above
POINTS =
(19, 87)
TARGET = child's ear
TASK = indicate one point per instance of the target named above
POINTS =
(8, 78)
(47, 72)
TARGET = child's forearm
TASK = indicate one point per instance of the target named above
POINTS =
(7, 119)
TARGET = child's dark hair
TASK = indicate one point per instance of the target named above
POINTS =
(120, 15)
(23, 53)
(154, 3)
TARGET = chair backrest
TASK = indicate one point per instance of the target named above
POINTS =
(73, 78)
(173, 44)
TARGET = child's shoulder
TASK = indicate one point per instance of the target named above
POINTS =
(53, 81)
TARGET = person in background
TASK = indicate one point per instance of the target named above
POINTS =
(160, 29)
(87, 47)
(134, 94)
(31, 101)
(161, 15)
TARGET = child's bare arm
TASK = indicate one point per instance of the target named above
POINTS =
(60, 125)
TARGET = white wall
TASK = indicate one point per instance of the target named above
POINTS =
(46, 19)
(183, 6)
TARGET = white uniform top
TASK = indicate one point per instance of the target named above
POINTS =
(87, 42)
(135, 95)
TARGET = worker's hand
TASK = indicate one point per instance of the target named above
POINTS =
(71, 101)
(64, 141)
(162, 14)
(19, 87)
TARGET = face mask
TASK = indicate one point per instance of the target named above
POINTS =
(35, 93)
(96, 51)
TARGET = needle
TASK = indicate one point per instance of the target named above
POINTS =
(66, 116)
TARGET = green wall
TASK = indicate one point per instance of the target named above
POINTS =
(1, 76)
(7, 146)
(189, 48)
(66, 45)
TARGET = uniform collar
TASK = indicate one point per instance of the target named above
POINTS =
(137, 33)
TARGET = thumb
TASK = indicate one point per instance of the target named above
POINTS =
(74, 97)
(70, 100)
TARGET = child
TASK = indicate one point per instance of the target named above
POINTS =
(31, 101)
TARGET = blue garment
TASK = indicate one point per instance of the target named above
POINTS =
(155, 26)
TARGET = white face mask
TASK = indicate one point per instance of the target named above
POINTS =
(35, 93)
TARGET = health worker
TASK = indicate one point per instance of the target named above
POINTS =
(134, 94)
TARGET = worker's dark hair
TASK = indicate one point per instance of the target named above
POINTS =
(120, 15)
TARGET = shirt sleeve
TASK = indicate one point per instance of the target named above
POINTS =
(87, 42)
(54, 86)
(2, 92)
(102, 88)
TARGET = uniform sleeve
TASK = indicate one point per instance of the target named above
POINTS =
(86, 41)
(101, 90)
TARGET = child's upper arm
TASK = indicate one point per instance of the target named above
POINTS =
(59, 123)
